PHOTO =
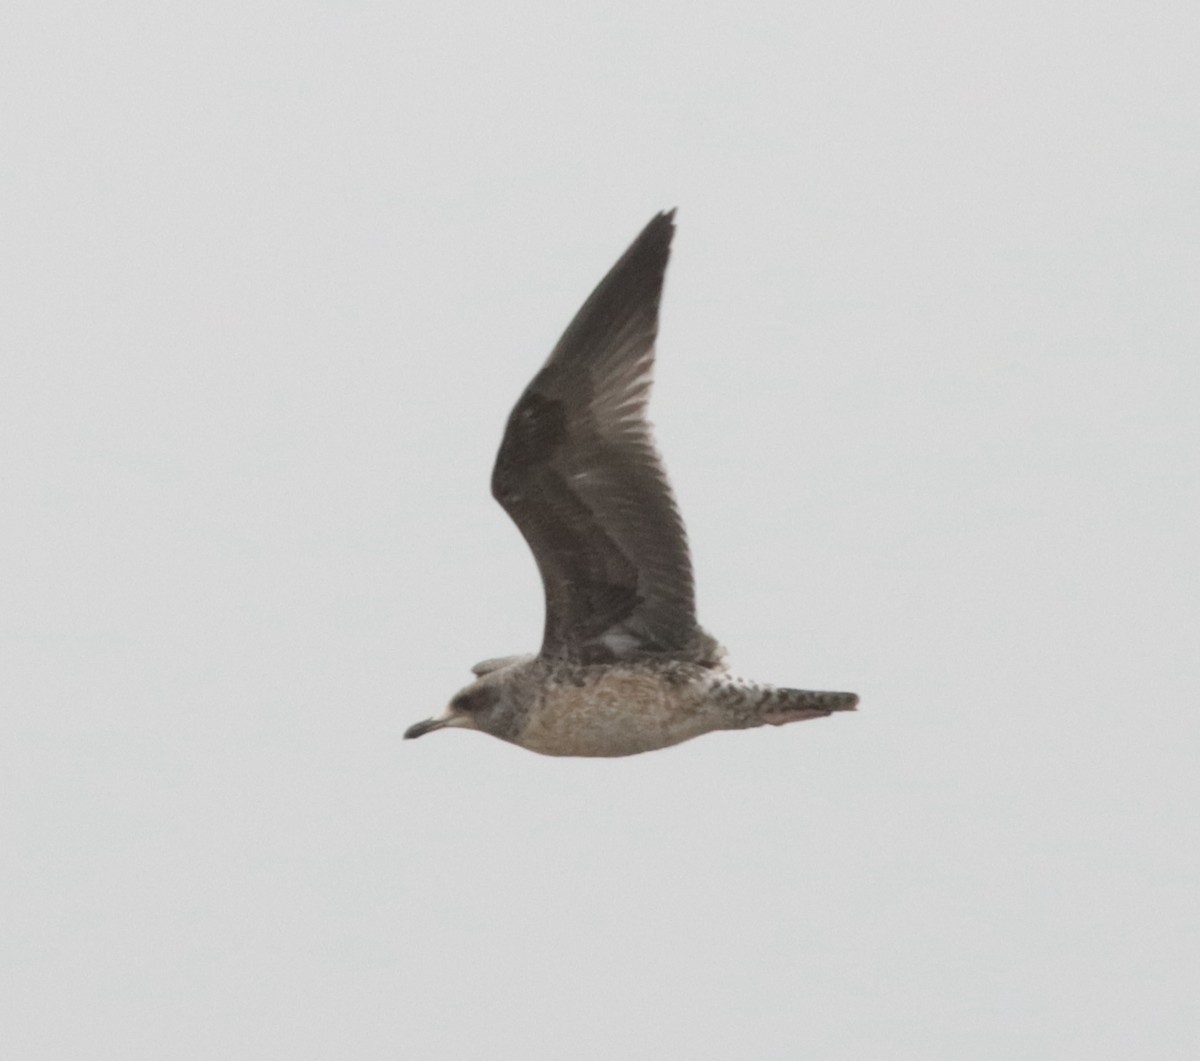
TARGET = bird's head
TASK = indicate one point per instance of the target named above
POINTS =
(479, 706)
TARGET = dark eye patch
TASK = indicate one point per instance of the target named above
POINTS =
(475, 700)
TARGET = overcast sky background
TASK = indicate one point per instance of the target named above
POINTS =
(273, 276)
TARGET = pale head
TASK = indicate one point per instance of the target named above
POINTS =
(482, 705)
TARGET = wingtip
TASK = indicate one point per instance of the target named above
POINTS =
(662, 223)
(659, 232)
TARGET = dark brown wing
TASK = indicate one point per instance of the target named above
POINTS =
(580, 476)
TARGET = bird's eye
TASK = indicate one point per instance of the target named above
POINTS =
(471, 701)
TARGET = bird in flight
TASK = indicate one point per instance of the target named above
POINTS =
(624, 666)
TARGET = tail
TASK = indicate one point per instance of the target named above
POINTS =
(747, 704)
(777, 707)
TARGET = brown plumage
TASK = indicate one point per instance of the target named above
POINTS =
(624, 667)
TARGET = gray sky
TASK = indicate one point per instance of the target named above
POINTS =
(274, 274)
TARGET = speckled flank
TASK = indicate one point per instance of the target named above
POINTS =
(619, 711)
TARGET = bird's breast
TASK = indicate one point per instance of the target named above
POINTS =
(615, 711)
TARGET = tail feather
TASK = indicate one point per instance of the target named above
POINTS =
(748, 704)
(780, 706)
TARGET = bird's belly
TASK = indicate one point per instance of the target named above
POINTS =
(617, 713)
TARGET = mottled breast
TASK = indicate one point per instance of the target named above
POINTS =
(620, 710)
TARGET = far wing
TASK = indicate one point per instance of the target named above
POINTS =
(579, 474)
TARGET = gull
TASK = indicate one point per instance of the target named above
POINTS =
(624, 667)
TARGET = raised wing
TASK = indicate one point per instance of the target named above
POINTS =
(579, 474)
